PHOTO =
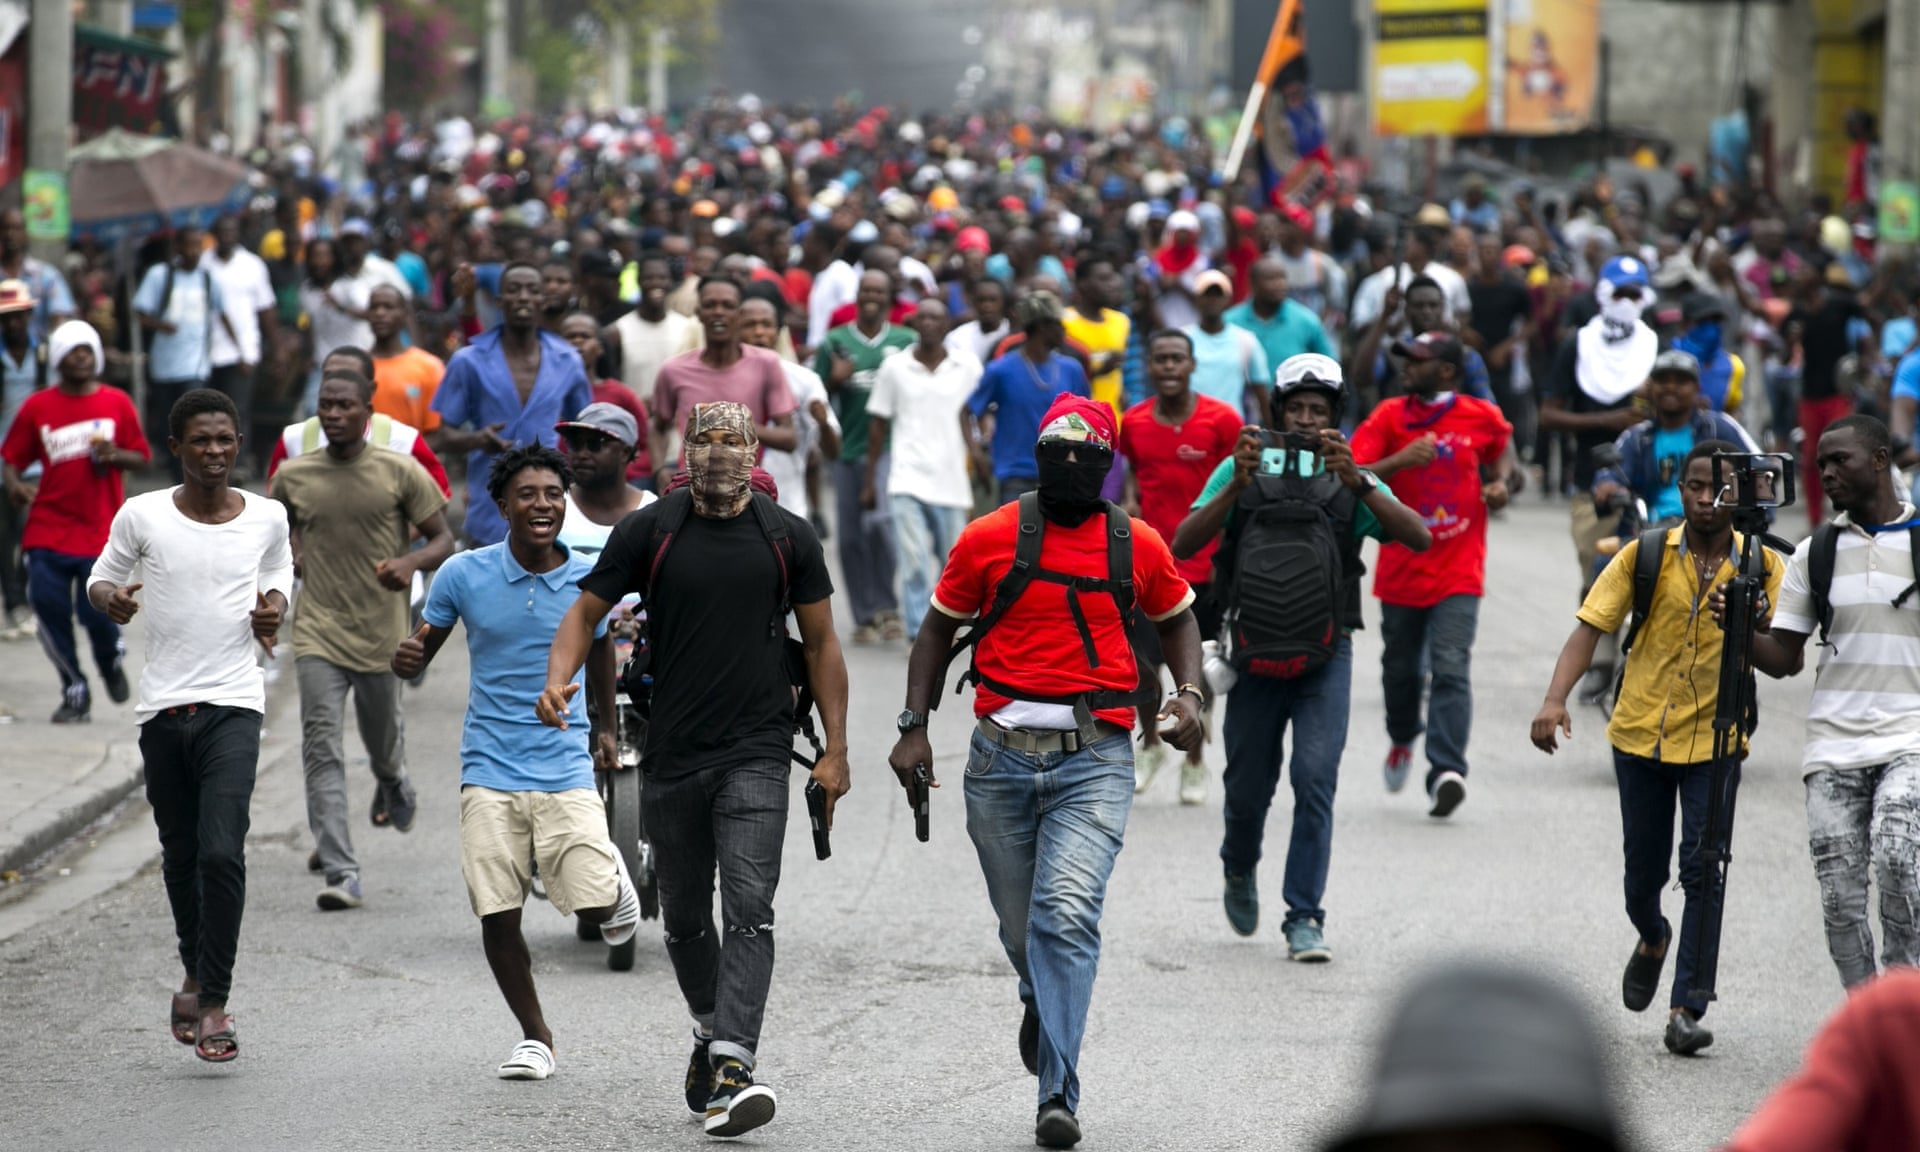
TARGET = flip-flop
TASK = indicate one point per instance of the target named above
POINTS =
(186, 1016)
(529, 1060)
(381, 812)
(222, 1033)
(401, 806)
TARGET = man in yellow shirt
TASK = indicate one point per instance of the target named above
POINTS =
(1096, 323)
(1662, 729)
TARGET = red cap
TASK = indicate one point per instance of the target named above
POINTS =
(1077, 419)
(1244, 219)
(1300, 217)
(973, 239)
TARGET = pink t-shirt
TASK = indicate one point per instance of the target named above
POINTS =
(755, 380)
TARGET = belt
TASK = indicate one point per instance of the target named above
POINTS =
(1036, 741)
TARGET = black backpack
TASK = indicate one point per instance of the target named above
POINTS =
(1820, 560)
(671, 515)
(1026, 569)
(1288, 574)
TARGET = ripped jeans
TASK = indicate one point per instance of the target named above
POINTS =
(1859, 819)
(731, 818)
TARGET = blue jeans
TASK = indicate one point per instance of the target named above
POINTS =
(1259, 708)
(1047, 828)
(1648, 789)
(57, 589)
(1440, 638)
(923, 534)
(866, 541)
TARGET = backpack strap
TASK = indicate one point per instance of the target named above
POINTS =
(1913, 548)
(1026, 562)
(667, 523)
(1650, 553)
(774, 527)
(1820, 560)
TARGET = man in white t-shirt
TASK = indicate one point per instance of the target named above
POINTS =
(813, 418)
(919, 405)
(1853, 581)
(652, 333)
(216, 569)
(979, 336)
(252, 319)
(1422, 244)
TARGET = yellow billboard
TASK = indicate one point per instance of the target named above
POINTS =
(1552, 66)
(1429, 68)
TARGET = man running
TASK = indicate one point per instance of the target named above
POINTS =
(1172, 444)
(645, 338)
(507, 387)
(1263, 704)
(814, 424)
(1097, 323)
(918, 418)
(383, 431)
(1049, 777)
(1016, 390)
(719, 566)
(724, 369)
(1862, 766)
(84, 435)
(1450, 458)
(215, 568)
(526, 790)
(1661, 729)
(406, 377)
(350, 507)
(849, 359)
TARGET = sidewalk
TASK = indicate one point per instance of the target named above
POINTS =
(57, 779)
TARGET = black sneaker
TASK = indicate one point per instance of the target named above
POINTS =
(1642, 978)
(738, 1105)
(699, 1067)
(1056, 1125)
(401, 805)
(1243, 904)
(68, 714)
(118, 690)
(1030, 1041)
(1685, 1035)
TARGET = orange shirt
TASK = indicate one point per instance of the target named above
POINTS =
(403, 387)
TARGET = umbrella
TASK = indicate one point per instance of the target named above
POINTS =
(123, 185)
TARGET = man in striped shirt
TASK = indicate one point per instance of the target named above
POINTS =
(1862, 762)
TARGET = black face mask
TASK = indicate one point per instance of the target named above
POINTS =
(1070, 490)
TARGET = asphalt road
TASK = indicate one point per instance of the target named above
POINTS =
(893, 1017)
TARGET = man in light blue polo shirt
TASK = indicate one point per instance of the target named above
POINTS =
(526, 790)
(1284, 327)
(509, 387)
(179, 302)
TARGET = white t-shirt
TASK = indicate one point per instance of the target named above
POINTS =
(789, 469)
(334, 327)
(201, 583)
(645, 345)
(1371, 296)
(972, 340)
(928, 458)
(1866, 691)
(248, 291)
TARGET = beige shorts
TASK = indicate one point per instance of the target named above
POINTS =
(565, 831)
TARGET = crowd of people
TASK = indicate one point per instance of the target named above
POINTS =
(1087, 415)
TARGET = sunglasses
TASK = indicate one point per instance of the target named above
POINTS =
(581, 441)
(1086, 451)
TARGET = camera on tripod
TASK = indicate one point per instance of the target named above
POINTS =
(1755, 480)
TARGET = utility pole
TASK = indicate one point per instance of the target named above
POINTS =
(49, 111)
(494, 94)
(1900, 121)
(657, 40)
(620, 63)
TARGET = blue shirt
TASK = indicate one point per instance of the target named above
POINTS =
(51, 296)
(1670, 450)
(1896, 337)
(478, 390)
(1906, 377)
(18, 381)
(511, 615)
(1225, 362)
(1020, 392)
(193, 307)
(1294, 329)
(414, 270)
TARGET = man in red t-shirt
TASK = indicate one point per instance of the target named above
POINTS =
(1049, 778)
(1173, 443)
(83, 434)
(1449, 458)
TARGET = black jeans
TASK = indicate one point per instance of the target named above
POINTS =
(200, 764)
(13, 560)
(733, 818)
(1648, 789)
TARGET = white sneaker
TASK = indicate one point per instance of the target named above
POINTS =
(625, 921)
(1449, 789)
(1193, 783)
(1147, 763)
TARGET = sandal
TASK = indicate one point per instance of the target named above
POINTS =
(380, 814)
(529, 1060)
(186, 1015)
(216, 1028)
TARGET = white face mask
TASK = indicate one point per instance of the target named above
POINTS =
(1621, 314)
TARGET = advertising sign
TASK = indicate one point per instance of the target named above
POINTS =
(1552, 65)
(1429, 68)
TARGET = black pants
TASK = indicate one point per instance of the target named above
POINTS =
(13, 561)
(200, 764)
(236, 381)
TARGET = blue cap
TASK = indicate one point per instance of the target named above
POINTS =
(1625, 272)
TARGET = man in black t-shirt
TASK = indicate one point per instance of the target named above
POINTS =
(717, 582)
(1500, 324)
(1819, 328)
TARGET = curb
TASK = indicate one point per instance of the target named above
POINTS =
(74, 807)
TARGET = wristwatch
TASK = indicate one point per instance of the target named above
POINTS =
(1192, 690)
(909, 720)
(1368, 482)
